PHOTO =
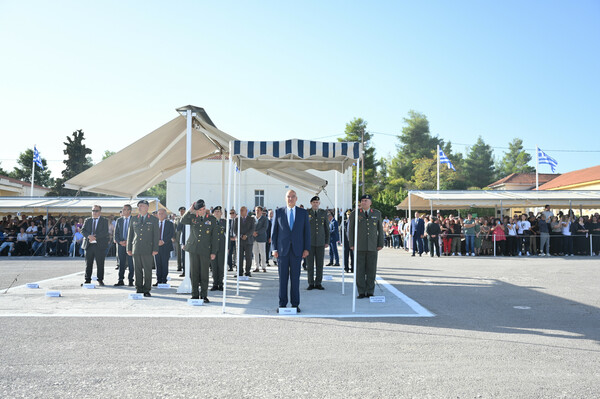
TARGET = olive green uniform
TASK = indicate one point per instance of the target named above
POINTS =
(202, 242)
(177, 243)
(370, 237)
(319, 236)
(142, 240)
(218, 264)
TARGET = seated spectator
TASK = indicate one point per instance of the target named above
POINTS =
(51, 239)
(31, 231)
(75, 246)
(9, 240)
(38, 246)
(63, 242)
(22, 243)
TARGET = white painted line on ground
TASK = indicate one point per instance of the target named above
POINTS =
(204, 316)
(50, 279)
(414, 305)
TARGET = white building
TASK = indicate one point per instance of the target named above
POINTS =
(256, 188)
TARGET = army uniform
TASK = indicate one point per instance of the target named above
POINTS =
(319, 236)
(179, 231)
(202, 242)
(218, 264)
(370, 237)
(142, 240)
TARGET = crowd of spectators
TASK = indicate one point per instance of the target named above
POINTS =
(544, 234)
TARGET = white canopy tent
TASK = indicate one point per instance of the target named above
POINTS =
(292, 156)
(69, 205)
(188, 138)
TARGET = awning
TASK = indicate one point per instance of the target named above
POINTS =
(69, 205)
(420, 200)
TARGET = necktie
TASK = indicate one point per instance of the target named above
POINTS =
(94, 226)
(291, 219)
(161, 230)
(125, 228)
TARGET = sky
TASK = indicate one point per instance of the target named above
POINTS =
(275, 70)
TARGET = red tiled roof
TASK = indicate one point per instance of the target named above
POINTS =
(525, 179)
(575, 177)
(22, 183)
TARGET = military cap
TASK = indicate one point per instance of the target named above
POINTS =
(199, 204)
(217, 208)
(181, 208)
(142, 202)
(315, 198)
(366, 196)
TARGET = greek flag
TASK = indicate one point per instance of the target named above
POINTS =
(444, 159)
(544, 158)
(37, 159)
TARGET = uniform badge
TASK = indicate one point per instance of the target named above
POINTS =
(208, 222)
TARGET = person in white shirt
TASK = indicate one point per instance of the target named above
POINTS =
(567, 238)
(523, 231)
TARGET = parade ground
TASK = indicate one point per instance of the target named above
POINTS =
(450, 327)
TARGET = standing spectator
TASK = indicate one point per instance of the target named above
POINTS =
(556, 239)
(166, 232)
(269, 229)
(246, 240)
(566, 233)
(595, 232)
(544, 231)
(95, 231)
(334, 238)
(486, 240)
(511, 239)
(523, 232)
(469, 227)
(260, 240)
(417, 231)
(232, 240)
(120, 238)
(348, 254)
(433, 232)
(581, 238)
(478, 238)
(395, 235)
(456, 237)
(500, 237)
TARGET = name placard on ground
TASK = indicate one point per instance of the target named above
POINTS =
(33, 285)
(287, 311)
(53, 294)
(243, 278)
(163, 286)
(196, 302)
(89, 286)
(136, 296)
(377, 299)
(168, 278)
(94, 278)
(327, 277)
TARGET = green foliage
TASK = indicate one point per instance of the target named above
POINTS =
(515, 160)
(479, 165)
(157, 191)
(107, 154)
(386, 201)
(354, 130)
(2, 171)
(425, 175)
(23, 170)
(77, 161)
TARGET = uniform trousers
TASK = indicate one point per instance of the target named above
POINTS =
(93, 251)
(315, 256)
(199, 264)
(142, 263)
(218, 267)
(366, 269)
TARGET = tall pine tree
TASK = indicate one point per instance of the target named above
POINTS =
(354, 131)
(77, 161)
(515, 160)
(23, 170)
(479, 165)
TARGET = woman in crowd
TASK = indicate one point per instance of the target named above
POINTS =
(31, 231)
(511, 238)
(523, 233)
(556, 239)
(478, 239)
(456, 233)
(486, 239)
(22, 244)
(565, 224)
(446, 238)
(387, 232)
(500, 238)
(51, 239)
(395, 235)
(581, 239)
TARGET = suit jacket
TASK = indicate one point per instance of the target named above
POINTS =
(119, 229)
(142, 238)
(246, 228)
(262, 224)
(168, 234)
(334, 230)
(102, 235)
(417, 227)
(284, 240)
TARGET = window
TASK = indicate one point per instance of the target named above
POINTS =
(259, 197)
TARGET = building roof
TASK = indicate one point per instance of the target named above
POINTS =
(574, 179)
(524, 179)
(22, 183)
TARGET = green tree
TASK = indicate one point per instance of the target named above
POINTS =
(107, 154)
(2, 171)
(479, 165)
(355, 129)
(515, 160)
(157, 191)
(78, 160)
(425, 174)
(23, 170)
(416, 142)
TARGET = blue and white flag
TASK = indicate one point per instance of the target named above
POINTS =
(544, 158)
(37, 159)
(444, 159)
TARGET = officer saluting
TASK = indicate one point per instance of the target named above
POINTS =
(319, 240)
(202, 246)
(370, 240)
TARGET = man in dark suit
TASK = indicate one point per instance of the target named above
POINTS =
(166, 234)
(179, 240)
(417, 229)
(121, 231)
(95, 233)
(290, 243)
(246, 240)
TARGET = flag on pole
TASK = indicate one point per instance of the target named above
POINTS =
(37, 159)
(444, 159)
(544, 158)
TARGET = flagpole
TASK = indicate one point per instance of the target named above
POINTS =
(438, 167)
(32, 170)
(537, 166)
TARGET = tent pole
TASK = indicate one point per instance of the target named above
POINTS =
(501, 211)
(223, 177)
(343, 229)
(410, 240)
(537, 166)
(186, 285)
(227, 219)
(335, 210)
(355, 252)
(438, 169)
(237, 237)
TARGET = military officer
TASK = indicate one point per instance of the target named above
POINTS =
(202, 245)
(142, 244)
(179, 234)
(370, 240)
(218, 264)
(319, 240)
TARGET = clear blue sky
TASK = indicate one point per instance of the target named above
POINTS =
(279, 69)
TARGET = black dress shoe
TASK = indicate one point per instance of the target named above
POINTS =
(368, 295)
(249, 274)
(101, 283)
(195, 297)
(155, 284)
(117, 268)
(413, 255)
(329, 264)
(206, 300)
(230, 269)
(336, 264)
(347, 270)
(131, 283)
(182, 275)
(220, 288)
(320, 287)
(147, 294)
(256, 270)
(120, 283)
(310, 287)
(86, 282)
(361, 296)
(297, 309)
(214, 288)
